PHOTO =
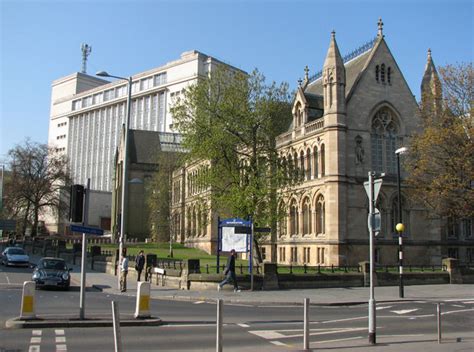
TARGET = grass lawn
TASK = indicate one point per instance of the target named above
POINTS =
(180, 252)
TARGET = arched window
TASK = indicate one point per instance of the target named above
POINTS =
(323, 161)
(377, 70)
(389, 75)
(306, 216)
(199, 223)
(282, 218)
(204, 222)
(193, 231)
(293, 218)
(320, 216)
(302, 166)
(384, 141)
(315, 162)
(382, 73)
(291, 168)
(308, 164)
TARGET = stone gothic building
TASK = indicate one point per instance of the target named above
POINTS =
(348, 119)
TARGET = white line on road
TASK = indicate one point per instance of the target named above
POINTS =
(34, 349)
(199, 302)
(59, 332)
(457, 305)
(61, 348)
(60, 339)
(457, 311)
(278, 343)
(386, 307)
(404, 311)
(339, 320)
(37, 332)
(8, 280)
(458, 299)
(35, 340)
(243, 325)
(470, 302)
(339, 340)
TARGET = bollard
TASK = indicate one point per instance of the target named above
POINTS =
(220, 305)
(306, 325)
(28, 301)
(142, 309)
(116, 323)
(438, 313)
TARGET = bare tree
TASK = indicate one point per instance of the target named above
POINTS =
(38, 174)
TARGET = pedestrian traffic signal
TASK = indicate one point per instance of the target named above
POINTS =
(76, 203)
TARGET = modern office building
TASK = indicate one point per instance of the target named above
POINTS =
(87, 114)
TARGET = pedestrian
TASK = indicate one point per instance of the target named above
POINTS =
(139, 263)
(123, 271)
(229, 272)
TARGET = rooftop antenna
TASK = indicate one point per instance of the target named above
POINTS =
(86, 50)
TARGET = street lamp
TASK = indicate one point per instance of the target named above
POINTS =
(400, 227)
(123, 217)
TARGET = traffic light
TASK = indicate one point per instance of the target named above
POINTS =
(76, 203)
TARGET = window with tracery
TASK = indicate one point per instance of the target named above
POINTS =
(281, 220)
(384, 133)
(320, 216)
(308, 164)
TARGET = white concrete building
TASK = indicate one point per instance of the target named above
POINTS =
(87, 114)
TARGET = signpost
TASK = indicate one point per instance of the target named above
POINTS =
(86, 229)
(372, 188)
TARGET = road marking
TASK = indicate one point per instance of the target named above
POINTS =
(199, 302)
(59, 332)
(274, 334)
(278, 343)
(380, 308)
(60, 339)
(243, 325)
(470, 302)
(61, 348)
(404, 311)
(458, 299)
(268, 334)
(457, 305)
(457, 311)
(35, 340)
(34, 349)
(339, 340)
(240, 305)
(8, 280)
(340, 320)
(37, 332)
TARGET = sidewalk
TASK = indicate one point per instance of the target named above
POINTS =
(321, 296)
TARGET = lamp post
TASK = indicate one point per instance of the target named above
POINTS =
(123, 217)
(400, 227)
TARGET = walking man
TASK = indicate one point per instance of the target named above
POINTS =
(230, 272)
(139, 264)
(123, 271)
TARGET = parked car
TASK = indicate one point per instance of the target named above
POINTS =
(15, 256)
(52, 272)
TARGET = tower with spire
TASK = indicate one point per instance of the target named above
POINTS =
(431, 93)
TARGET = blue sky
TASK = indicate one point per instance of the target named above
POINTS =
(40, 41)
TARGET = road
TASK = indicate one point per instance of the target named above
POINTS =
(191, 325)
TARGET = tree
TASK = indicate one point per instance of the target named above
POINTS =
(232, 119)
(38, 174)
(159, 196)
(440, 162)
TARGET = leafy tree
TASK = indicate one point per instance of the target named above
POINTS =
(38, 174)
(440, 162)
(231, 119)
(159, 196)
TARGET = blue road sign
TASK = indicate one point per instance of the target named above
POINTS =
(85, 229)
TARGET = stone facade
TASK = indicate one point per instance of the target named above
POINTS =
(348, 120)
